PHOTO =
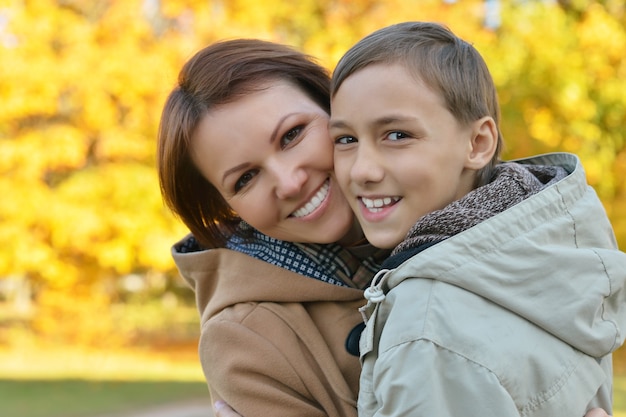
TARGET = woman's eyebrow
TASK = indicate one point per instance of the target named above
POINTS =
(233, 170)
(274, 134)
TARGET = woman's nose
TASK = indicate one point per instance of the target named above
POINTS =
(290, 180)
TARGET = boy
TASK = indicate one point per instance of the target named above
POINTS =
(419, 155)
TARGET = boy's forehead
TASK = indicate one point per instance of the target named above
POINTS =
(380, 96)
(386, 76)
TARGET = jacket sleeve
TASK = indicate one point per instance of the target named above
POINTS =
(420, 378)
(247, 366)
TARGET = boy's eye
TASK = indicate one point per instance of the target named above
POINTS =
(290, 136)
(244, 180)
(344, 140)
(393, 136)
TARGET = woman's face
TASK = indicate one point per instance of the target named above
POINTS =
(269, 155)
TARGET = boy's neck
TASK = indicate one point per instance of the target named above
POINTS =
(354, 237)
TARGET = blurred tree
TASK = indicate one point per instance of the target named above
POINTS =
(562, 81)
(81, 83)
(81, 89)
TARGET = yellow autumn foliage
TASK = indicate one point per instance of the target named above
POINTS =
(82, 84)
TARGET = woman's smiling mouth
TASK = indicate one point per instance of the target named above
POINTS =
(314, 202)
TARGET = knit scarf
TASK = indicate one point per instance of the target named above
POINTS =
(511, 184)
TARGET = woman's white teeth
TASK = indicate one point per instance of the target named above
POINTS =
(375, 204)
(314, 202)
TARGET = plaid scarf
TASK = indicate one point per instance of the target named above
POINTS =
(352, 270)
(331, 263)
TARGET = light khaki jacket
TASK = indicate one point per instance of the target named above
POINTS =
(272, 341)
(516, 316)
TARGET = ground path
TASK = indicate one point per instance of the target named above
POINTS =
(190, 408)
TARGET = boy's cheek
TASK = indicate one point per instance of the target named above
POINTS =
(340, 165)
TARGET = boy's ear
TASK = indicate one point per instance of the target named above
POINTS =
(483, 144)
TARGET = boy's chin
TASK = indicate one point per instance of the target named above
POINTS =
(382, 242)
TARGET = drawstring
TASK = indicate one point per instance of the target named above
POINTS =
(374, 294)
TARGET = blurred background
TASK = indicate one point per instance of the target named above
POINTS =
(90, 301)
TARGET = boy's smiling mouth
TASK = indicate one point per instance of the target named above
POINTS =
(374, 205)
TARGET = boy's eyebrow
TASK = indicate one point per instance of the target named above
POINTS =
(382, 121)
(386, 120)
(336, 123)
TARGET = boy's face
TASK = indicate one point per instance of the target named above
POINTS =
(399, 153)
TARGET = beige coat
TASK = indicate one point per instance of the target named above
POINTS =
(516, 316)
(272, 341)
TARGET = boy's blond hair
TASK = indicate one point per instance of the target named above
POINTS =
(443, 61)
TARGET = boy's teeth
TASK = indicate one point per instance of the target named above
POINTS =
(375, 204)
(314, 202)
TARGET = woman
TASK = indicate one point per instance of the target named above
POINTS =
(244, 136)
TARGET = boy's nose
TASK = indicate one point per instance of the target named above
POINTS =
(366, 168)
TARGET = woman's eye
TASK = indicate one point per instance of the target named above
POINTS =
(397, 136)
(244, 180)
(344, 140)
(290, 136)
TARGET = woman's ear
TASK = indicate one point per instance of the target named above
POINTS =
(483, 143)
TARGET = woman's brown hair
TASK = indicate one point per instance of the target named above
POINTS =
(219, 74)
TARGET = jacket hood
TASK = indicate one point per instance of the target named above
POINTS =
(223, 277)
(551, 259)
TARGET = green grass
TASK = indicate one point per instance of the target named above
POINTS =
(76, 383)
(84, 398)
